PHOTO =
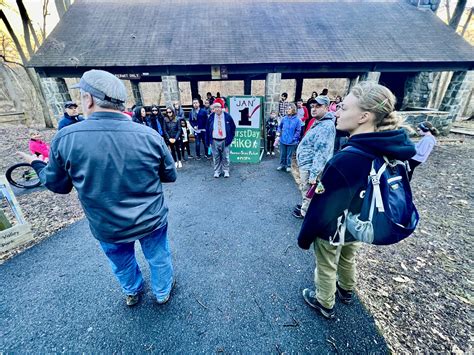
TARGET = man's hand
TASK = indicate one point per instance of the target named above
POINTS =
(312, 181)
(172, 140)
(27, 157)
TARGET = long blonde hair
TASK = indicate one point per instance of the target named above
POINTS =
(380, 101)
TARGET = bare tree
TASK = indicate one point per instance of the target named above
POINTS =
(32, 75)
(458, 11)
(45, 15)
(448, 10)
(61, 7)
(466, 24)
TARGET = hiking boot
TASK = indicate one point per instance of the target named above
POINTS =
(167, 297)
(344, 296)
(310, 298)
(280, 168)
(297, 214)
(288, 170)
(297, 208)
(132, 300)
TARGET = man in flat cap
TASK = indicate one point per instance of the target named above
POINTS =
(95, 157)
(70, 116)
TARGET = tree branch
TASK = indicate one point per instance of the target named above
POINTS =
(14, 37)
(10, 61)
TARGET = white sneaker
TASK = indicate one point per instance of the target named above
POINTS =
(288, 170)
(180, 165)
(273, 153)
(175, 165)
(268, 153)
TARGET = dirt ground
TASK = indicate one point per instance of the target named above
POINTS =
(419, 291)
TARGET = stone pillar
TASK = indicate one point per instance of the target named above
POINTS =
(352, 82)
(418, 90)
(247, 86)
(137, 94)
(431, 5)
(272, 93)
(370, 76)
(170, 89)
(57, 94)
(454, 99)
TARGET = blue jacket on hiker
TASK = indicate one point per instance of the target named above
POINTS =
(198, 119)
(122, 196)
(229, 128)
(67, 120)
(344, 178)
(289, 129)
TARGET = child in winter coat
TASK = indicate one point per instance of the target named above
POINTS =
(271, 126)
(38, 147)
(185, 139)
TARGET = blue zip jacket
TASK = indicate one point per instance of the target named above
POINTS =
(229, 128)
(117, 168)
(67, 120)
(200, 120)
(290, 129)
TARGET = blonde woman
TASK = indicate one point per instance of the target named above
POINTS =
(289, 133)
(367, 114)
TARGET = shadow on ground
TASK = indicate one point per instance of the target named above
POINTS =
(239, 280)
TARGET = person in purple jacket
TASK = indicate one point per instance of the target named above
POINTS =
(289, 133)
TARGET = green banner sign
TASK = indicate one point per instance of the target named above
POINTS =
(247, 114)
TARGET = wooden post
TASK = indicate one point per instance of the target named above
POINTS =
(299, 88)
(247, 86)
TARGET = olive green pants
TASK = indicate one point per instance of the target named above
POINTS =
(329, 269)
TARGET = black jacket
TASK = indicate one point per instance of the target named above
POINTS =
(343, 179)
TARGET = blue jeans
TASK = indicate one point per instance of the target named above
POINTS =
(286, 151)
(155, 247)
(198, 138)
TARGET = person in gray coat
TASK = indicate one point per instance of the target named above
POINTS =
(315, 150)
(120, 188)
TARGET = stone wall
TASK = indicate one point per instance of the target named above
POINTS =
(418, 90)
(57, 93)
(439, 119)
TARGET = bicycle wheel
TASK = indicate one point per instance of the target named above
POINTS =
(22, 175)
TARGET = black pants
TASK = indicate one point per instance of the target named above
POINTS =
(413, 164)
(185, 147)
(270, 142)
(174, 147)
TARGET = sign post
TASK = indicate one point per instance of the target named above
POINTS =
(247, 114)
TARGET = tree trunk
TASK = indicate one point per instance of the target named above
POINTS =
(31, 74)
(60, 7)
(460, 6)
(467, 22)
(36, 81)
(26, 29)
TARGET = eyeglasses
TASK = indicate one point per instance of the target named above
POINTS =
(154, 110)
(169, 112)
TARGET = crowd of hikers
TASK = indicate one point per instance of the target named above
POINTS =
(353, 154)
